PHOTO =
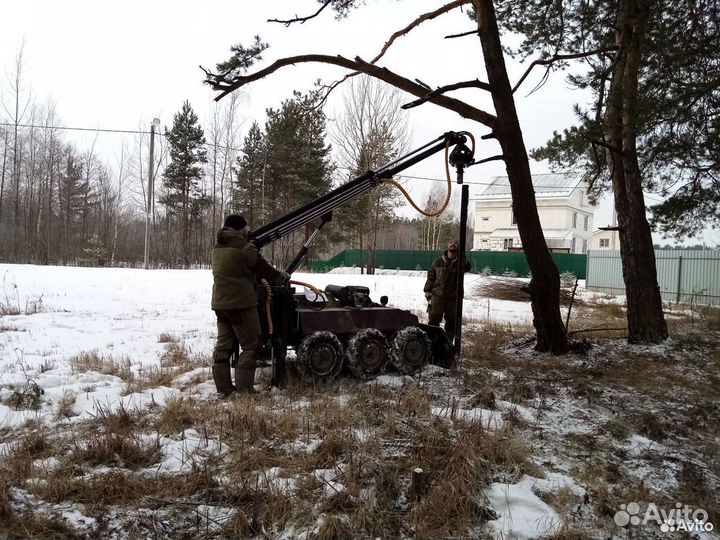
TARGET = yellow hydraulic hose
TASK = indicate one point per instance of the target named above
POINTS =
(318, 292)
(268, 301)
(449, 182)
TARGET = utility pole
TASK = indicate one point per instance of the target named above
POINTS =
(155, 122)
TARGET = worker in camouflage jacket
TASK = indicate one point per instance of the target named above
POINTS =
(237, 266)
(441, 288)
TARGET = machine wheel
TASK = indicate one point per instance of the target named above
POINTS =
(367, 353)
(410, 350)
(321, 353)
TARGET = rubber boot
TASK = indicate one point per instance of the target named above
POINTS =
(244, 379)
(221, 377)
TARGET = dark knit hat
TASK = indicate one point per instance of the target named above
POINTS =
(236, 221)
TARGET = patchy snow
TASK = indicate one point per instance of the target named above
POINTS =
(488, 419)
(521, 513)
(121, 313)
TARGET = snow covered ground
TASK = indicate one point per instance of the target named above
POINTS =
(130, 319)
(121, 313)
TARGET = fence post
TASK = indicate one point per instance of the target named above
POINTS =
(677, 299)
(587, 269)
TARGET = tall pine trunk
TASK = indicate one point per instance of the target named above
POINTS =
(646, 322)
(545, 283)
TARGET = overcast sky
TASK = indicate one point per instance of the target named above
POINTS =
(116, 64)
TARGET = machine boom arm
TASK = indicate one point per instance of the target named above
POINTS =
(324, 205)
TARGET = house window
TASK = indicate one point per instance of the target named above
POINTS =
(574, 219)
(507, 243)
(486, 219)
(513, 221)
(587, 219)
(604, 242)
(572, 246)
(584, 246)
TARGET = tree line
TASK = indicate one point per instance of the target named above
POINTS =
(63, 205)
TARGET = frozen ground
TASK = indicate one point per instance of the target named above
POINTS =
(92, 345)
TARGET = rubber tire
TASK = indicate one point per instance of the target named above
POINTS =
(309, 345)
(360, 340)
(410, 335)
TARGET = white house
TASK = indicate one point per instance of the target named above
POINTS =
(605, 240)
(566, 214)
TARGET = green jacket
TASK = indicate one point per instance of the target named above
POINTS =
(442, 277)
(236, 265)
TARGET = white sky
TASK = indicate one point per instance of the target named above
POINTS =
(116, 64)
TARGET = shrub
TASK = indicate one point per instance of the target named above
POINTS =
(567, 279)
(486, 271)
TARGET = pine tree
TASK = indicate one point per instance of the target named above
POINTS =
(183, 196)
(298, 168)
(653, 72)
(248, 196)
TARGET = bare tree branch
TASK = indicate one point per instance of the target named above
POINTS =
(463, 109)
(462, 34)
(558, 58)
(448, 88)
(499, 157)
(417, 22)
(302, 20)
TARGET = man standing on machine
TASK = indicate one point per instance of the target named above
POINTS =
(441, 288)
(237, 266)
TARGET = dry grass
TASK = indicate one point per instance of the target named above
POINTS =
(598, 320)
(507, 289)
(180, 414)
(166, 337)
(372, 437)
(710, 316)
(107, 365)
(118, 450)
(482, 345)
(452, 505)
(29, 524)
(147, 378)
(65, 406)
(334, 528)
(17, 464)
(27, 398)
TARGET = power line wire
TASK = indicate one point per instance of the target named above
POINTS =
(105, 130)
(140, 132)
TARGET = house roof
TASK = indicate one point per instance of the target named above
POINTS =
(553, 185)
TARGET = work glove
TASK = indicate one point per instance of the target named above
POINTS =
(428, 296)
(284, 276)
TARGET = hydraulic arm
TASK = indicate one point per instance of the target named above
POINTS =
(323, 206)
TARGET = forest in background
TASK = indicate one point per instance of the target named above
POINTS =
(60, 204)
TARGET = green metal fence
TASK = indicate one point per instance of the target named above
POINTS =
(499, 262)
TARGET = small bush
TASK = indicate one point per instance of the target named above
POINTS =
(65, 407)
(165, 337)
(486, 271)
(510, 273)
(567, 279)
(29, 398)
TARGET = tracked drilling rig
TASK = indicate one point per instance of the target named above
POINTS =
(343, 326)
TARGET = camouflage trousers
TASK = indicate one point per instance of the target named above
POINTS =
(237, 326)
